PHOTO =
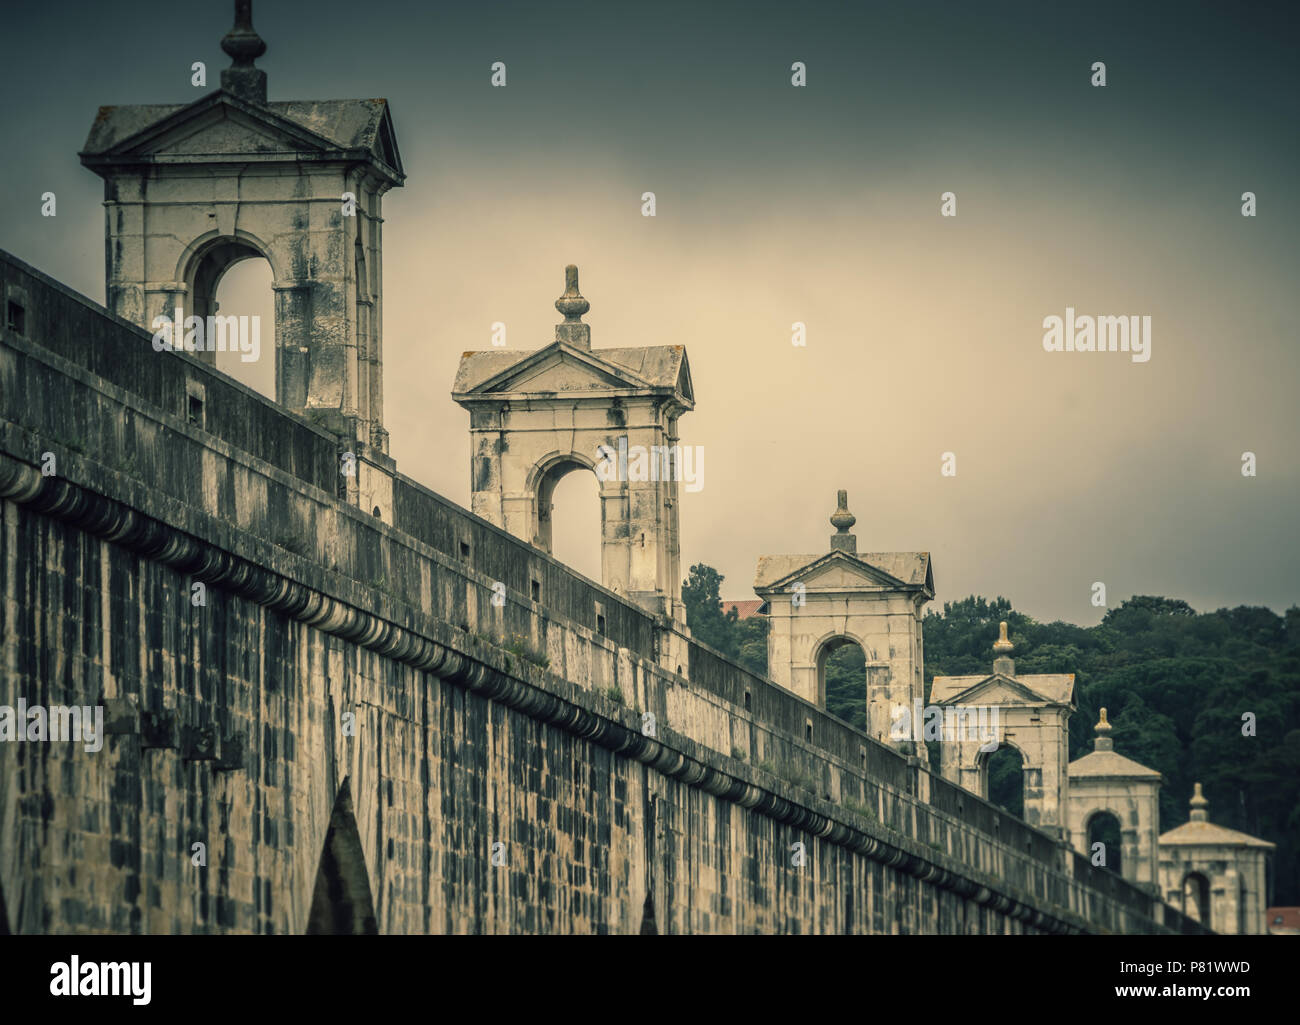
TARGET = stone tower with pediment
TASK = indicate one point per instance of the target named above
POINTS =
(1105, 782)
(1215, 875)
(1033, 717)
(190, 189)
(818, 603)
(536, 416)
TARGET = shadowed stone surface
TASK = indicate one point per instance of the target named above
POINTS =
(471, 725)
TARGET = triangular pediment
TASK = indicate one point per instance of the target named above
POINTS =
(223, 127)
(999, 690)
(219, 125)
(839, 570)
(225, 133)
(562, 368)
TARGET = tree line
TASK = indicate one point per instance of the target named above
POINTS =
(1212, 697)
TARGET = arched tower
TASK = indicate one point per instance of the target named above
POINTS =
(873, 599)
(1105, 782)
(536, 416)
(1217, 875)
(191, 189)
(1033, 715)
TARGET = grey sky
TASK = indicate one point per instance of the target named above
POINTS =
(818, 205)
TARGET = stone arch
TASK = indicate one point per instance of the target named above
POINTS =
(341, 904)
(1115, 855)
(1194, 890)
(207, 258)
(545, 474)
(984, 758)
(847, 636)
(826, 646)
(1092, 811)
(200, 270)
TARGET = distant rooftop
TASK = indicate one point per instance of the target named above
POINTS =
(744, 609)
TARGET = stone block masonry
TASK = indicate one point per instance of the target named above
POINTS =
(394, 725)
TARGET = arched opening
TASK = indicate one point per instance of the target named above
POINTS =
(341, 904)
(243, 290)
(1002, 779)
(1196, 898)
(569, 517)
(842, 680)
(230, 277)
(1104, 829)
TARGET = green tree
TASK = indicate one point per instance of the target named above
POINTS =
(1184, 691)
(752, 644)
(701, 594)
(846, 685)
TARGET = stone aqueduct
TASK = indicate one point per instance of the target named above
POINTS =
(351, 722)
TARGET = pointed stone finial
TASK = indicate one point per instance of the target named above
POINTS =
(1199, 805)
(573, 306)
(1002, 648)
(244, 45)
(1103, 728)
(842, 520)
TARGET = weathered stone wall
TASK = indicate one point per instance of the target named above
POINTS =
(316, 610)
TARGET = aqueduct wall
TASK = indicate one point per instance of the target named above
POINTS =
(462, 740)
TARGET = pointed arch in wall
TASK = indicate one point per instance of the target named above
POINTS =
(341, 904)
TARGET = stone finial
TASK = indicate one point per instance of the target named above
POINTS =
(842, 520)
(244, 45)
(1199, 805)
(573, 306)
(1103, 728)
(1002, 648)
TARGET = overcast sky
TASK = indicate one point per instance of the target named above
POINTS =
(820, 204)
